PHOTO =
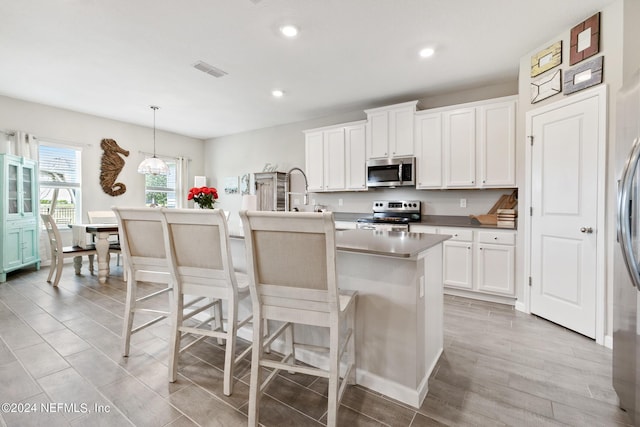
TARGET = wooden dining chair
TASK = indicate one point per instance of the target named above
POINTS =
(142, 243)
(291, 263)
(59, 252)
(200, 264)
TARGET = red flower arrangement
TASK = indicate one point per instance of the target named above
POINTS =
(205, 197)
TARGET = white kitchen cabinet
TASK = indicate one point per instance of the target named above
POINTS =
(467, 146)
(390, 131)
(496, 144)
(477, 263)
(459, 136)
(335, 157)
(428, 133)
(423, 229)
(356, 154)
(495, 268)
(458, 258)
(496, 262)
(334, 160)
(314, 160)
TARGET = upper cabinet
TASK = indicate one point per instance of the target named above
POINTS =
(467, 146)
(459, 141)
(335, 157)
(390, 131)
(497, 144)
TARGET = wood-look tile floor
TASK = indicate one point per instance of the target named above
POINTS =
(60, 365)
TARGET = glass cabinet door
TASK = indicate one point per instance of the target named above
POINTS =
(27, 189)
(12, 198)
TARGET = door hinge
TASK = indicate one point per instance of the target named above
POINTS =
(530, 281)
(530, 210)
(530, 139)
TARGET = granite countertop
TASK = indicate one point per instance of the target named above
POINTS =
(388, 243)
(432, 220)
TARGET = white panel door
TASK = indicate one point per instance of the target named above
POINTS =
(564, 182)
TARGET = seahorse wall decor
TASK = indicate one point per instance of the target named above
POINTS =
(111, 166)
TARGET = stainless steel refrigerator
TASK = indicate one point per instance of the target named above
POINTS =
(626, 303)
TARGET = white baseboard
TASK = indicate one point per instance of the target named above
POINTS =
(608, 341)
(413, 397)
(521, 307)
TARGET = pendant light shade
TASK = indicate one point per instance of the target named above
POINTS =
(153, 165)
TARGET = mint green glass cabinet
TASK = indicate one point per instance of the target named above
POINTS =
(18, 214)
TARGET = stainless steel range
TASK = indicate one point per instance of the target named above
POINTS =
(391, 215)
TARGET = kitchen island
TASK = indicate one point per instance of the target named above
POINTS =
(399, 331)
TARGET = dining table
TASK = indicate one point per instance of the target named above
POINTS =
(101, 232)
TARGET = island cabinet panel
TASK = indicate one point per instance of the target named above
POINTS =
(399, 309)
(18, 214)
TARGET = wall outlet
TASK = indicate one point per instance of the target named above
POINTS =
(463, 203)
(339, 202)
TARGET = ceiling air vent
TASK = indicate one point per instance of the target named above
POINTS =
(209, 69)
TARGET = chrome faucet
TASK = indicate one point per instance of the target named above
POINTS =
(305, 198)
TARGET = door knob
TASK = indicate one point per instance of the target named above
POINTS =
(588, 230)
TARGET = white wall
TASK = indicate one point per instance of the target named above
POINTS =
(59, 125)
(56, 124)
(611, 47)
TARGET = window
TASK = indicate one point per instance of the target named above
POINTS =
(160, 190)
(60, 182)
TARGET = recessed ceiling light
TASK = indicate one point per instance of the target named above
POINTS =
(427, 52)
(289, 30)
(278, 93)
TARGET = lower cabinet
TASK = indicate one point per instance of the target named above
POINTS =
(20, 246)
(479, 261)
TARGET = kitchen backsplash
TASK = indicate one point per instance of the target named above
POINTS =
(434, 202)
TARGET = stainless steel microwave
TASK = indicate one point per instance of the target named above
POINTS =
(396, 172)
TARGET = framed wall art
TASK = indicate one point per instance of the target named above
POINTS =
(231, 185)
(583, 76)
(585, 39)
(546, 59)
(546, 86)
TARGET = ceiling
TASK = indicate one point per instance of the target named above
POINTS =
(116, 58)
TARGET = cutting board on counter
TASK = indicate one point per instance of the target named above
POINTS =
(506, 201)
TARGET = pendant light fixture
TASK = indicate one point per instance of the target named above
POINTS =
(153, 165)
